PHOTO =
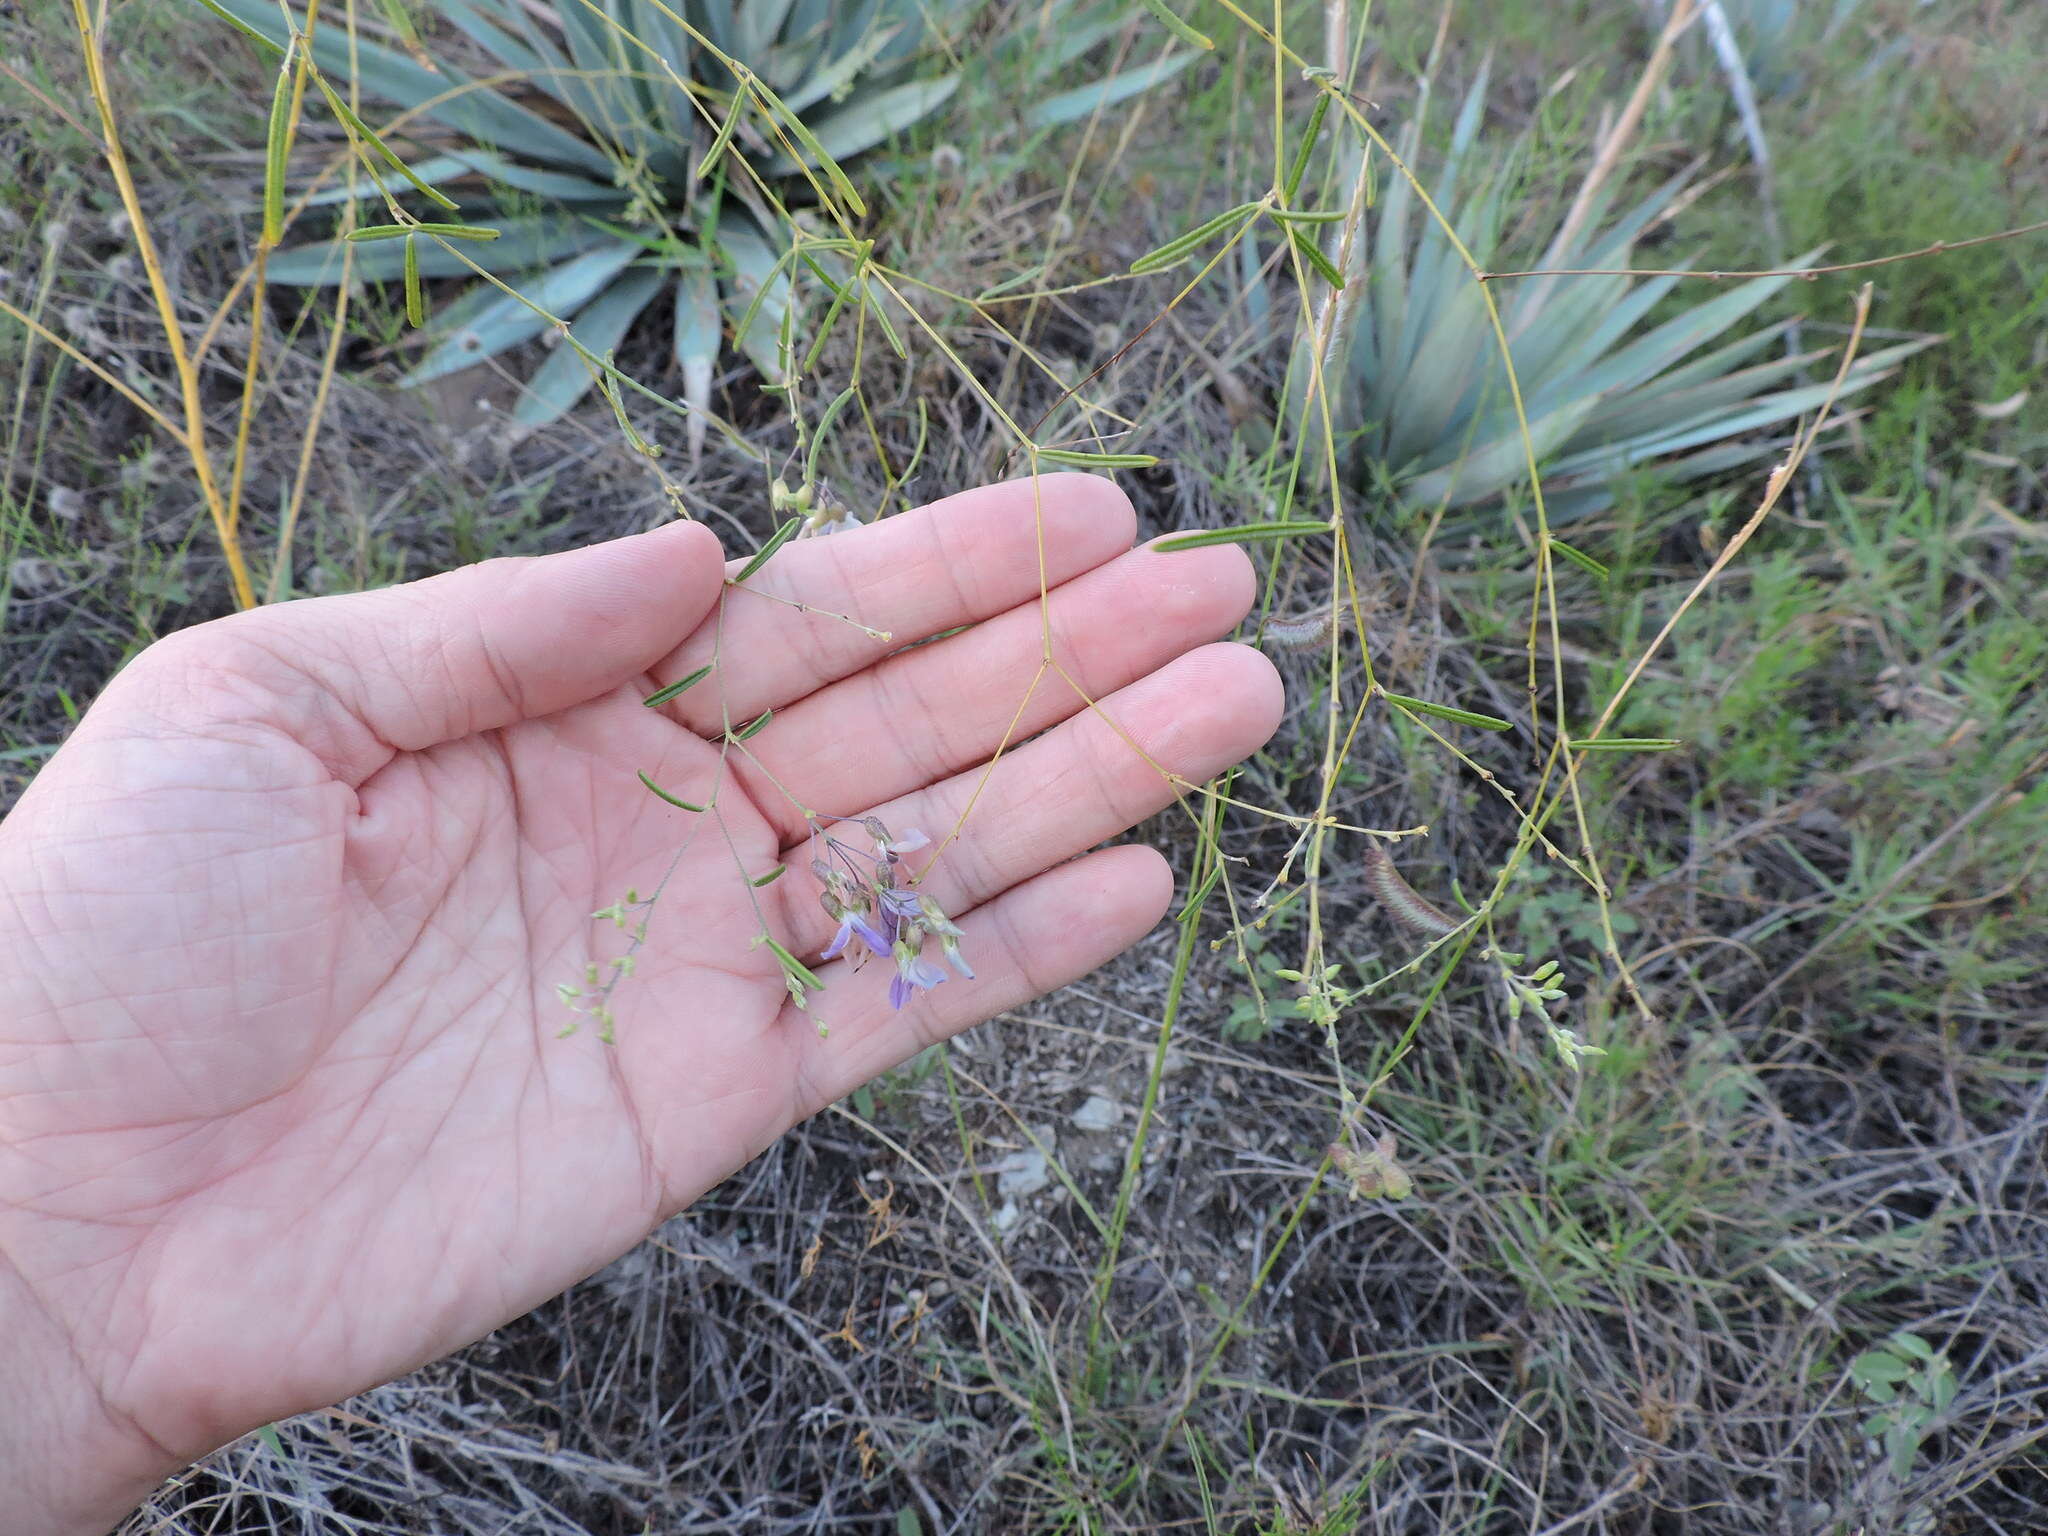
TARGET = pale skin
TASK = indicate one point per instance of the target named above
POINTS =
(284, 1110)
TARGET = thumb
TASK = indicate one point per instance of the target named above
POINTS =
(357, 678)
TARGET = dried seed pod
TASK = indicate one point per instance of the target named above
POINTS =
(1374, 1173)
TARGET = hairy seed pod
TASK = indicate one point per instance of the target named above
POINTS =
(1307, 633)
(1400, 899)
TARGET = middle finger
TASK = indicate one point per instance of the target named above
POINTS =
(928, 712)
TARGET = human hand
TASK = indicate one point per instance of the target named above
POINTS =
(283, 1110)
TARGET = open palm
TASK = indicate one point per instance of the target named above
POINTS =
(284, 1107)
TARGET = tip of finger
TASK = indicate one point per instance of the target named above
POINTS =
(1244, 679)
(691, 536)
(1142, 877)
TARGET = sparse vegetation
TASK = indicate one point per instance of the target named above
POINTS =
(1754, 1249)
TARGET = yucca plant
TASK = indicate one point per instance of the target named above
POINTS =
(1425, 395)
(602, 147)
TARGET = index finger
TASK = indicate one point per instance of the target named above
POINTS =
(954, 562)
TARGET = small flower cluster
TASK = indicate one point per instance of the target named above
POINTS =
(593, 999)
(862, 895)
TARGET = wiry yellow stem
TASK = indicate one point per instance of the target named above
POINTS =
(194, 433)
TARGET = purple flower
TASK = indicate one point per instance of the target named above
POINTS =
(893, 848)
(851, 926)
(902, 904)
(913, 971)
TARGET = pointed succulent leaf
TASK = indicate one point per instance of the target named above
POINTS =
(566, 377)
(1490, 466)
(485, 114)
(871, 119)
(835, 74)
(503, 322)
(522, 244)
(696, 348)
(1100, 95)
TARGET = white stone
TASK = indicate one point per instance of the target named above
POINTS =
(1098, 1114)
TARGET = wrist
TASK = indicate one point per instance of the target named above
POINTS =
(68, 1466)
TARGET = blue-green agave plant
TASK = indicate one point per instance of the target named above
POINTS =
(584, 145)
(1606, 388)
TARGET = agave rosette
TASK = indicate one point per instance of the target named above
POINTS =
(584, 143)
(1605, 387)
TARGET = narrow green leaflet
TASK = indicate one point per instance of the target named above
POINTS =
(1176, 26)
(407, 231)
(839, 403)
(1192, 909)
(277, 145)
(1244, 533)
(501, 321)
(415, 295)
(272, 48)
(1580, 558)
(682, 685)
(365, 134)
(1180, 247)
(761, 557)
(660, 793)
(814, 154)
(792, 966)
(723, 141)
(523, 244)
(1312, 253)
(1445, 712)
(861, 126)
(1080, 458)
(1299, 169)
